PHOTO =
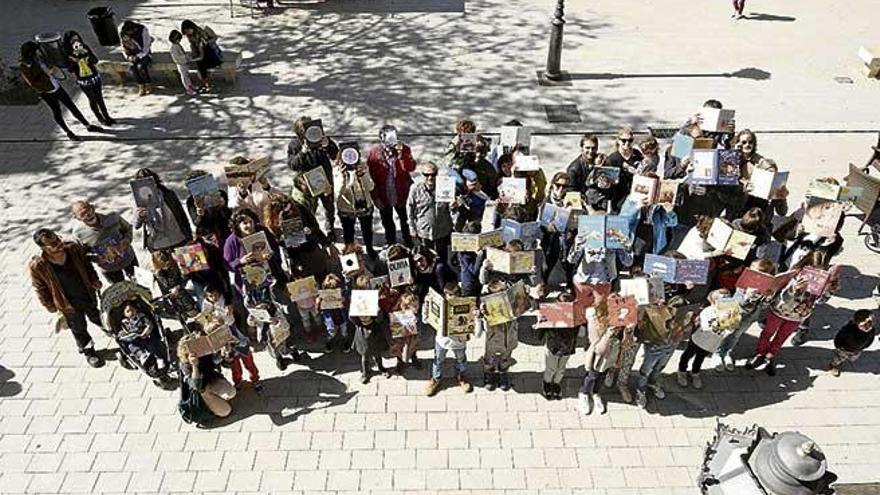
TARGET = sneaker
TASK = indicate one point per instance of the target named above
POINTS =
(281, 363)
(681, 378)
(658, 391)
(757, 360)
(415, 362)
(625, 394)
(93, 359)
(465, 384)
(585, 403)
(771, 367)
(600, 403)
(641, 399)
(432, 388)
(730, 365)
(504, 381)
(548, 392)
(491, 380)
(719, 362)
(835, 371)
(556, 388)
(258, 387)
(160, 363)
(697, 381)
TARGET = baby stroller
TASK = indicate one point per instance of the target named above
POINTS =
(113, 300)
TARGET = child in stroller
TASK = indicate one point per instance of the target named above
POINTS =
(139, 336)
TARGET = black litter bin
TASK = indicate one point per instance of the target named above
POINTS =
(104, 26)
(50, 48)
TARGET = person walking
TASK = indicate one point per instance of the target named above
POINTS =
(44, 80)
(81, 61)
(65, 283)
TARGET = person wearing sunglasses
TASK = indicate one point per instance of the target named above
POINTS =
(747, 142)
(628, 159)
(66, 283)
(553, 241)
(430, 222)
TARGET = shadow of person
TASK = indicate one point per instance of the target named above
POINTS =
(8, 387)
(758, 16)
(288, 397)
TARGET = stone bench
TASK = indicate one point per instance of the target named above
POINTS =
(116, 66)
(871, 58)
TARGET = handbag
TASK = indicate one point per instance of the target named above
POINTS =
(191, 406)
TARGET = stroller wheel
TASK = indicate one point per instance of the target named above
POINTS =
(123, 360)
(872, 240)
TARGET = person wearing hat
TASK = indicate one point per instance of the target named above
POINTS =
(65, 283)
(429, 221)
(390, 163)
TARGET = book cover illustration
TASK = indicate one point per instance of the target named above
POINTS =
(682, 146)
(512, 190)
(434, 310)
(349, 263)
(293, 232)
(764, 283)
(317, 183)
(705, 167)
(529, 233)
(146, 193)
(191, 258)
(258, 245)
(512, 135)
(591, 229)
(816, 279)
(303, 289)
(364, 303)
(729, 162)
(379, 282)
(205, 191)
(716, 119)
(573, 200)
(526, 163)
(331, 298)
(403, 324)
(617, 232)
(605, 175)
(460, 315)
(643, 188)
(399, 272)
(822, 216)
(561, 315)
(445, 189)
(314, 133)
(622, 310)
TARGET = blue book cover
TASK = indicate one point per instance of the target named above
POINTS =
(618, 234)
(729, 162)
(530, 233)
(682, 146)
(510, 229)
(692, 271)
(563, 219)
(591, 228)
(661, 266)
(548, 214)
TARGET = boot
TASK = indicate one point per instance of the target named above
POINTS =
(414, 361)
(504, 381)
(757, 360)
(490, 378)
(432, 388)
(548, 391)
(771, 367)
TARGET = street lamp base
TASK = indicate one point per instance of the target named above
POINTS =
(561, 79)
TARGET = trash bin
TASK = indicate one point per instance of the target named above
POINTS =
(50, 48)
(104, 26)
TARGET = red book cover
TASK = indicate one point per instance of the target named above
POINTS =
(622, 311)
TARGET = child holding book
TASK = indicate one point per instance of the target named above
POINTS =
(470, 264)
(603, 349)
(501, 340)
(404, 347)
(852, 339)
(753, 307)
(371, 336)
(661, 327)
(335, 319)
(442, 345)
(716, 323)
(559, 345)
(273, 330)
(307, 306)
(238, 352)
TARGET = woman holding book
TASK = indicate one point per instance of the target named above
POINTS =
(240, 260)
(166, 226)
(309, 251)
(203, 375)
(355, 201)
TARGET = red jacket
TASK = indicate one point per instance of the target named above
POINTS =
(379, 170)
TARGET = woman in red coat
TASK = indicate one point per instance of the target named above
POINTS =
(390, 163)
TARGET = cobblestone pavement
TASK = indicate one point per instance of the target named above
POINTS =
(65, 427)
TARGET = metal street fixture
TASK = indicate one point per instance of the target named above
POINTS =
(554, 55)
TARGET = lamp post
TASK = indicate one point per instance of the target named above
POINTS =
(554, 55)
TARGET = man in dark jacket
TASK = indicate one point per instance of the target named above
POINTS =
(66, 283)
(580, 168)
(307, 151)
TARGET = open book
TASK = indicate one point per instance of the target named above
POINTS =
(733, 243)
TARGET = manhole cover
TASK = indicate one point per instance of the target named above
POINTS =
(843, 80)
(557, 114)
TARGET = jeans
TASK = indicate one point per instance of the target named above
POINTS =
(554, 367)
(152, 345)
(588, 386)
(366, 230)
(95, 95)
(367, 362)
(440, 356)
(119, 275)
(140, 70)
(729, 343)
(55, 99)
(79, 328)
(654, 361)
(387, 216)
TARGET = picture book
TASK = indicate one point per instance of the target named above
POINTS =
(733, 243)
(644, 188)
(716, 119)
(255, 274)
(146, 193)
(399, 272)
(379, 282)
(257, 244)
(511, 262)
(729, 162)
(205, 191)
(527, 232)
(559, 217)
(403, 324)
(317, 182)
(364, 303)
(604, 231)
(618, 234)
(869, 186)
(610, 175)
(682, 146)
(314, 132)
(821, 216)
(293, 232)
(502, 307)
(817, 279)
(573, 200)
(243, 175)
(728, 315)
(449, 316)
(677, 271)
(211, 342)
(764, 283)
(487, 223)
(302, 289)
(622, 310)
(512, 190)
(514, 135)
(766, 184)
(191, 258)
(561, 315)
(434, 310)
(705, 167)
(445, 189)
(331, 298)
(823, 190)
(667, 192)
(476, 242)
(646, 290)
(526, 163)
(350, 154)
(349, 263)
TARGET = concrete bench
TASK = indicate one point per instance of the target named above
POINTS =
(116, 66)
(871, 58)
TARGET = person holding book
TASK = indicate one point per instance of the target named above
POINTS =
(661, 327)
(165, 226)
(335, 319)
(603, 350)
(210, 217)
(753, 306)
(430, 222)
(716, 323)
(487, 175)
(553, 242)
(470, 265)
(651, 161)
(501, 340)
(216, 273)
(237, 352)
(372, 336)
(255, 195)
(404, 347)
(244, 223)
(304, 155)
(626, 158)
(312, 252)
(307, 307)
(849, 343)
(390, 163)
(107, 239)
(791, 306)
(355, 203)
(172, 284)
(559, 345)
(455, 153)
(728, 267)
(66, 284)
(443, 344)
(203, 376)
(581, 168)
(469, 206)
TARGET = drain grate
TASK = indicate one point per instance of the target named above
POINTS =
(843, 80)
(558, 114)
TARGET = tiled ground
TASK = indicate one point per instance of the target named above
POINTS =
(68, 428)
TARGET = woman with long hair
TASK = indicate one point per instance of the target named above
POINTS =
(203, 44)
(81, 61)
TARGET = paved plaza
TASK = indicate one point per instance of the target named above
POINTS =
(421, 65)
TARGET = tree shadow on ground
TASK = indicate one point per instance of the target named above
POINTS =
(8, 386)
(287, 398)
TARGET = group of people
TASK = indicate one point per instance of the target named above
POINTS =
(480, 188)
(81, 62)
